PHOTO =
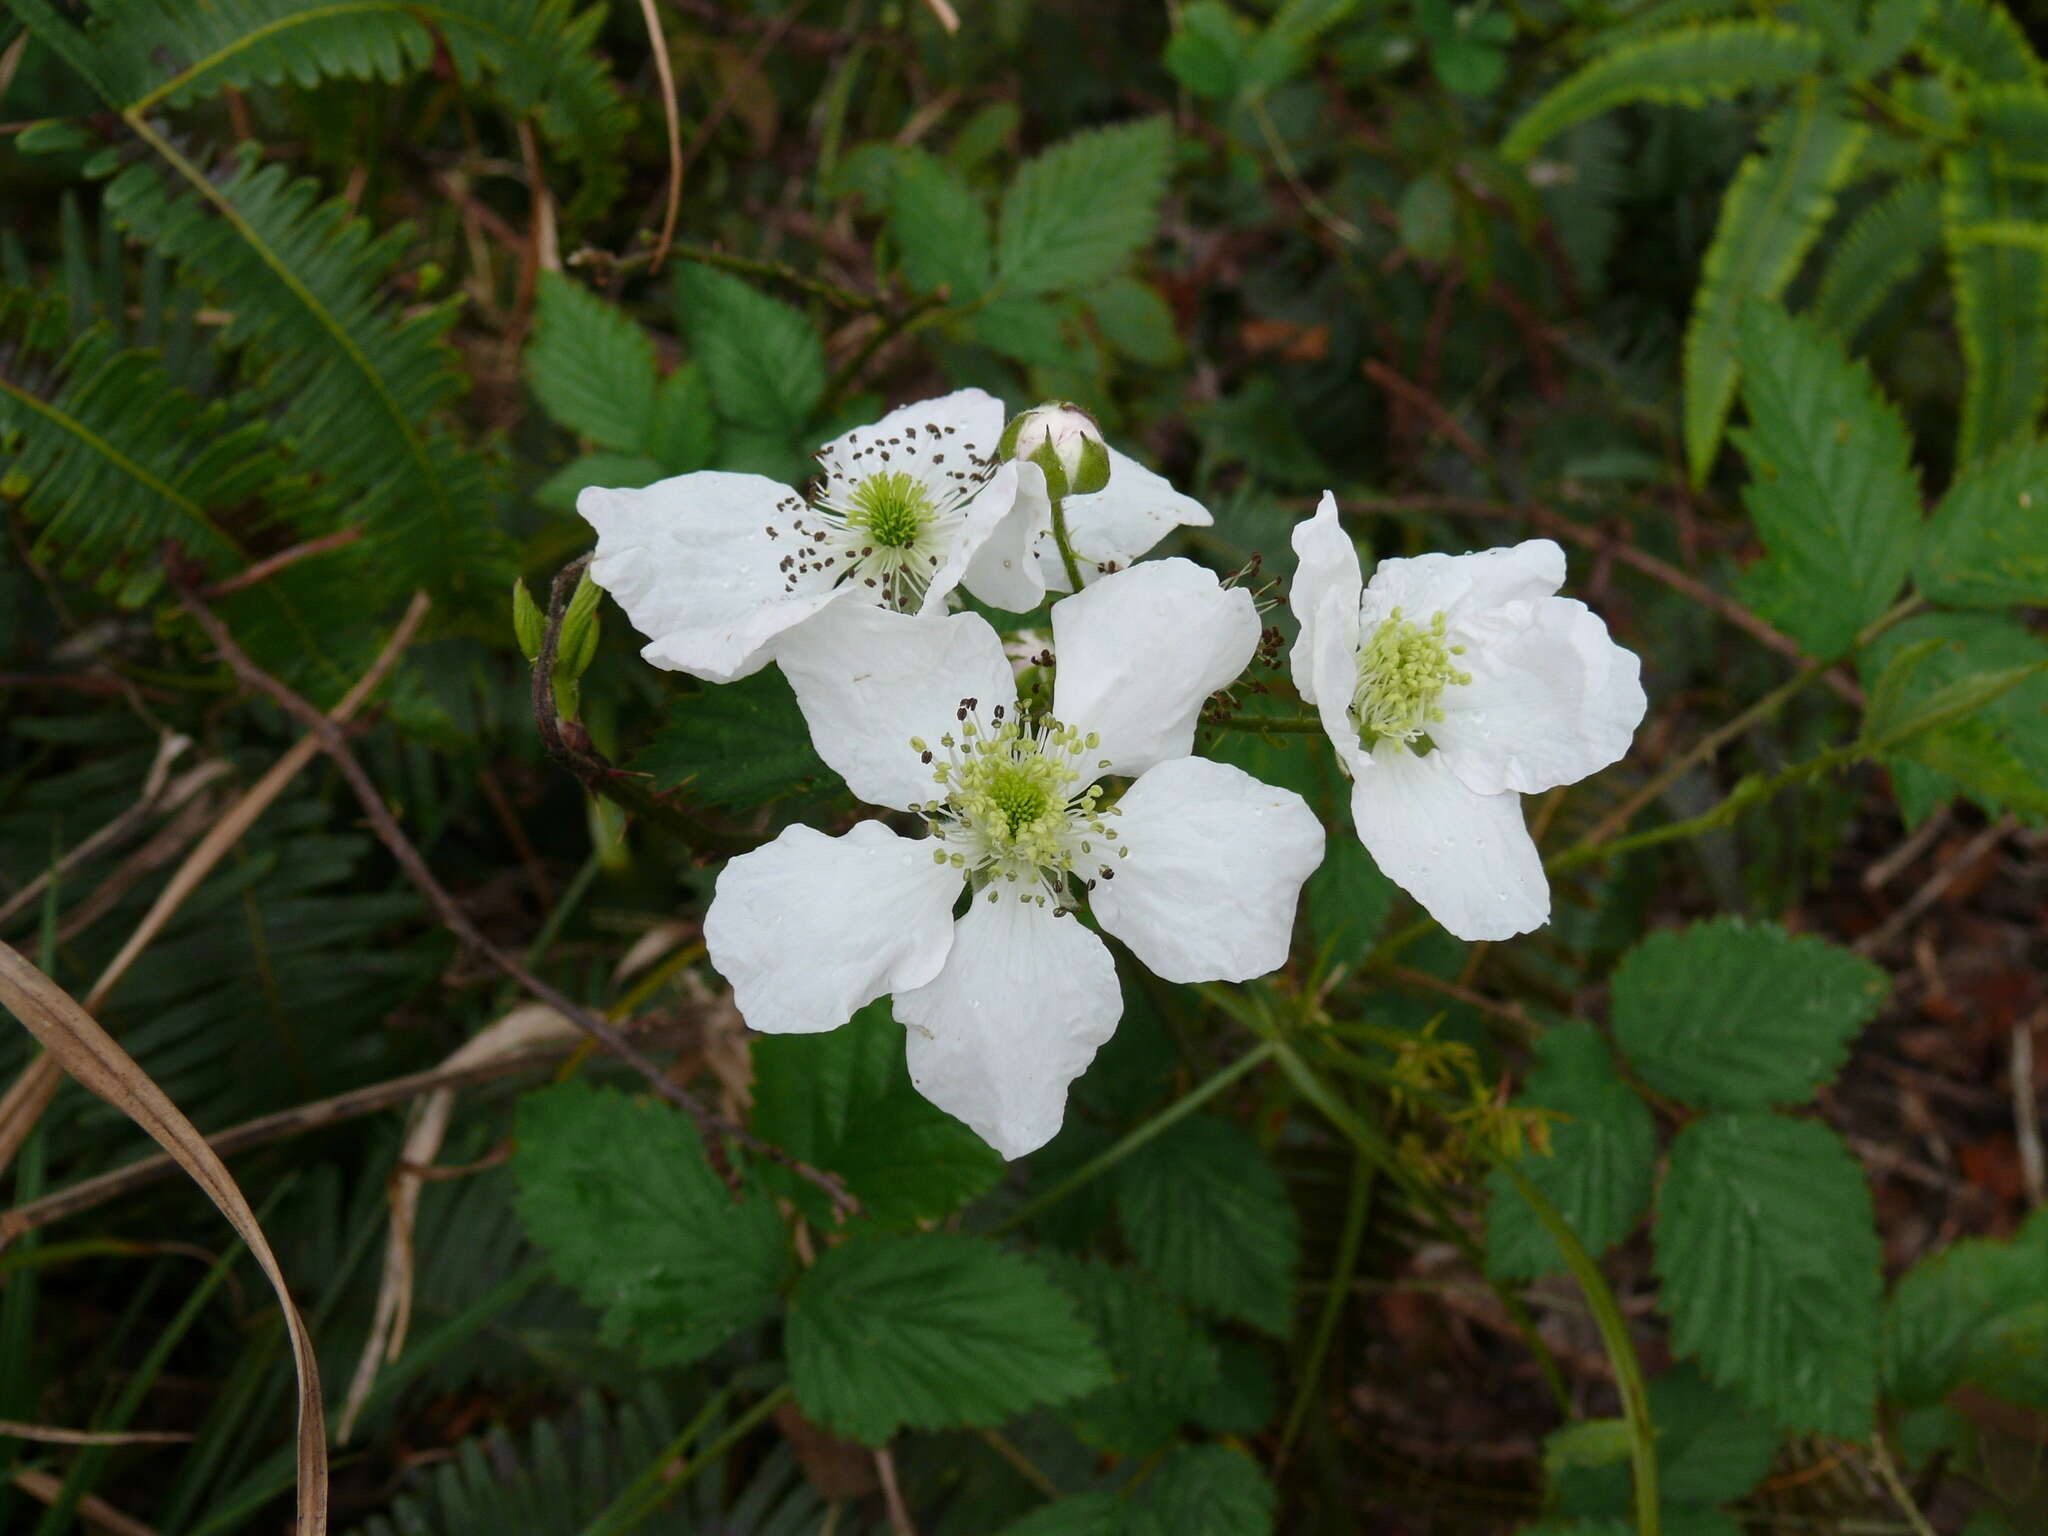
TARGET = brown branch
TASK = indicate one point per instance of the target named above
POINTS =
(335, 744)
(264, 569)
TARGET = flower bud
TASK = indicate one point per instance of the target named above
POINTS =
(529, 624)
(1063, 440)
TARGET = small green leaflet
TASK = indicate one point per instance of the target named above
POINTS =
(619, 1194)
(1733, 1015)
(1603, 1157)
(1078, 212)
(1165, 1364)
(1205, 1210)
(1766, 1246)
(939, 227)
(763, 358)
(1976, 1312)
(843, 1101)
(1987, 544)
(591, 365)
(737, 745)
(1711, 1448)
(932, 1331)
(1832, 488)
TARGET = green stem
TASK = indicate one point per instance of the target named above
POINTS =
(652, 1489)
(1621, 1349)
(1066, 548)
(1377, 1150)
(1101, 1163)
(1348, 1243)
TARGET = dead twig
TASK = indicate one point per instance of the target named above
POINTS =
(1936, 886)
(264, 569)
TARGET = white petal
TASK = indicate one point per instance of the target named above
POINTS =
(810, 928)
(1216, 864)
(1003, 571)
(1328, 652)
(1140, 650)
(996, 512)
(691, 561)
(1551, 700)
(1326, 562)
(1467, 858)
(1463, 587)
(1023, 1003)
(945, 443)
(868, 680)
(1115, 525)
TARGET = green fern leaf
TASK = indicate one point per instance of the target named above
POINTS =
(2014, 120)
(1688, 67)
(1978, 40)
(1770, 218)
(1882, 248)
(536, 56)
(358, 389)
(2001, 297)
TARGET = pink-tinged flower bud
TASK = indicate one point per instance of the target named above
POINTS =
(1062, 440)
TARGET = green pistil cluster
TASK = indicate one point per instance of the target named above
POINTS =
(1015, 806)
(1402, 671)
(889, 509)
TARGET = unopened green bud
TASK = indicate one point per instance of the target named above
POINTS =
(529, 624)
(578, 644)
(1063, 441)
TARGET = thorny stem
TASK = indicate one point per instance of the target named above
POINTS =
(1066, 547)
(831, 293)
(335, 744)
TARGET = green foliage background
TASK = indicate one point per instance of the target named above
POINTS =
(328, 305)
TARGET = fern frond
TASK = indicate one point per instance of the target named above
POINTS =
(112, 458)
(1978, 40)
(1769, 220)
(357, 388)
(1883, 246)
(1647, 21)
(1690, 66)
(2001, 297)
(2013, 119)
(537, 56)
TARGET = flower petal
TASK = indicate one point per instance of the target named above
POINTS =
(868, 680)
(1551, 700)
(1326, 562)
(693, 563)
(1328, 652)
(1463, 587)
(1024, 1001)
(1002, 571)
(1115, 525)
(809, 928)
(1467, 858)
(1216, 864)
(1140, 651)
(945, 444)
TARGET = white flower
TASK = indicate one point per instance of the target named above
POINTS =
(1195, 867)
(1451, 686)
(713, 566)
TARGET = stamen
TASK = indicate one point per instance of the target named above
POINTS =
(1403, 670)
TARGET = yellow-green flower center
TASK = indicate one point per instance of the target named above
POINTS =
(1402, 671)
(889, 509)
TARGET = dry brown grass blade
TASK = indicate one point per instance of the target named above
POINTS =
(95, 1514)
(517, 1034)
(672, 116)
(75, 1040)
(30, 1095)
(47, 1434)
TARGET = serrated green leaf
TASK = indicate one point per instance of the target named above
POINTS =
(1733, 1015)
(1977, 40)
(737, 745)
(844, 1101)
(940, 228)
(1033, 331)
(1766, 1245)
(1209, 49)
(1975, 1312)
(1082, 1514)
(591, 365)
(1426, 218)
(1163, 1361)
(1883, 246)
(1773, 212)
(1687, 67)
(1205, 1210)
(1603, 1156)
(1136, 321)
(932, 1331)
(1943, 723)
(2001, 299)
(559, 491)
(763, 358)
(682, 428)
(1832, 489)
(1204, 1488)
(1074, 215)
(1986, 545)
(1997, 752)
(620, 1195)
